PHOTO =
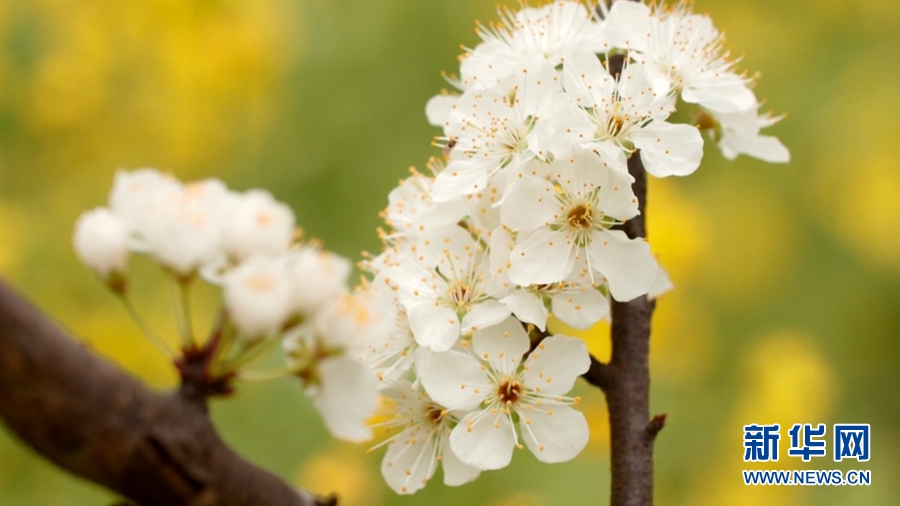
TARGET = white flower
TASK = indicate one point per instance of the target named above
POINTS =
(682, 51)
(568, 220)
(446, 288)
(413, 454)
(614, 116)
(577, 306)
(740, 136)
(257, 295)
(350, 321)
(345, 394)
(484, 208)
(316, 278)
(577, 301)
(258, 224)
(549, 35)
(412, 211)
(390, 355)
(325, 353)
(180, 226)
(101, 243)
(495, 131)
(499, 390)
(139, 198)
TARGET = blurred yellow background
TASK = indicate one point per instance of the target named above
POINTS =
(788, 277)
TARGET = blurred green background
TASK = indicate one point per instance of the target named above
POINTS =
(787, 307)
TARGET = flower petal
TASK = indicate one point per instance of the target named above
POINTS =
(434, 325)
(543, 257)
(528, 307)
(556, 437)
(456, 472)
(410, 461)
(487, 442)
(439, 107)
(461, 177)
(627, 264)
(627, 26)
(502, 345)
(453, 379)
(555, 364)
(669, 150)
(484, 314)
(529, 204)
(726, 92)
(580, 309)
(346, 398)
(616, 197)
(764, 147)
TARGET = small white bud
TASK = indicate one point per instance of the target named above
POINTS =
(101, 243)
(257, 296)
(317, 277)
(259, 225)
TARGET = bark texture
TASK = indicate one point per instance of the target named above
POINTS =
(632, 432)
(94, 420)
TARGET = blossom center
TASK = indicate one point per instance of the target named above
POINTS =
(461, 293)
(515, 139)
(264, 219)
(509, 391)
(260, 283)
(580, 216)
(615, 126)
(434, 413)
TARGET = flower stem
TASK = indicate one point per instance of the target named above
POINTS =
(182, 307)
(161, 344)
(266, 375)
(250, 354)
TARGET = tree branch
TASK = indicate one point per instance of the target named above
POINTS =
(599, 374)
(90, 418)
(628, 393)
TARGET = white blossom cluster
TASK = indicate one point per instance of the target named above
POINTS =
(277, 291)
(520, 220)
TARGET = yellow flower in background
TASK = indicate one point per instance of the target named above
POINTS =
(786, 380)
(756, 237)
(521, 499)
(175, 82)
(855, 192)
(92, 86)
(342, 468)
(684, 339)
(678, 229)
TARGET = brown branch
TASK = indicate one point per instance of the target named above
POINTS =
(90, 418)
(599, 374)
(628, 391)
(656, 425)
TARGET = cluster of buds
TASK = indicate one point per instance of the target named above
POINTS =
(278, 291)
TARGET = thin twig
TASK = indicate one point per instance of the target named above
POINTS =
(599, 375)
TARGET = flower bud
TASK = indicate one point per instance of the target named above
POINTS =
(101, 243)
(257, 296)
